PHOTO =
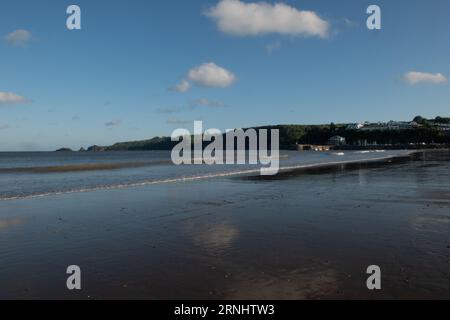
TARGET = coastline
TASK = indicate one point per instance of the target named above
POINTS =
(246, 174)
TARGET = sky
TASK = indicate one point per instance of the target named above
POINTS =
(140, 68)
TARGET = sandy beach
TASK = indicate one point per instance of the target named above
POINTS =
(304, 235)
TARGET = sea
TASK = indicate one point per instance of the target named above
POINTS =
(39, 174)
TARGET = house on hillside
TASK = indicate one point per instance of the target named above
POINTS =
(354, 126)
(336, 141)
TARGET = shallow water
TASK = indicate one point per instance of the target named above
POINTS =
(308, 235)
(47, 173)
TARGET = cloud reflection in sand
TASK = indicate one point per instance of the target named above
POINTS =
(6, 223)
(215, 238)
(291, 285)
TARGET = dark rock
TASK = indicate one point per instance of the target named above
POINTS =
(96, 149)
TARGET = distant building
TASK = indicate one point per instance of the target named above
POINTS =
(402, 125)
(312, 147)
(355, 126)
(391, 125)
(336, 141)
(415, 124)
(374, 127)
(442, 126)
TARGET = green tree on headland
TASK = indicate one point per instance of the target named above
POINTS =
(429, 132)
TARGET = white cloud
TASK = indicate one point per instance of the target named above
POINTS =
(183, 86)
(206, 75)
(19, 37)
(211, 75)
(251, 19)
(11, 98)
(414, 77)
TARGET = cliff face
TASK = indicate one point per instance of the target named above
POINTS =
(96, 149)
(64, 150)
(157, 143)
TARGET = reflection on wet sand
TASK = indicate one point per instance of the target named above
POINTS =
(295, 284)
(431, 222)
(247, 279)
(212, 238)
(6, 223)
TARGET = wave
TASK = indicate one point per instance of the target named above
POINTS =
(194, 178)
(98, 166)
(83, 167)
(371, 151)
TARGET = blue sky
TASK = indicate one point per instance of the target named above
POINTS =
(115, 79)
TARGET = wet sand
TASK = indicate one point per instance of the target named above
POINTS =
(307, 234)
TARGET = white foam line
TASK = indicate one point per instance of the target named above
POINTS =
(193, 178)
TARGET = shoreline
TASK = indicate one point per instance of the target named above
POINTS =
(283, 171)
(332, 166)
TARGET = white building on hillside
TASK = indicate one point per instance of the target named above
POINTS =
(336, 141)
